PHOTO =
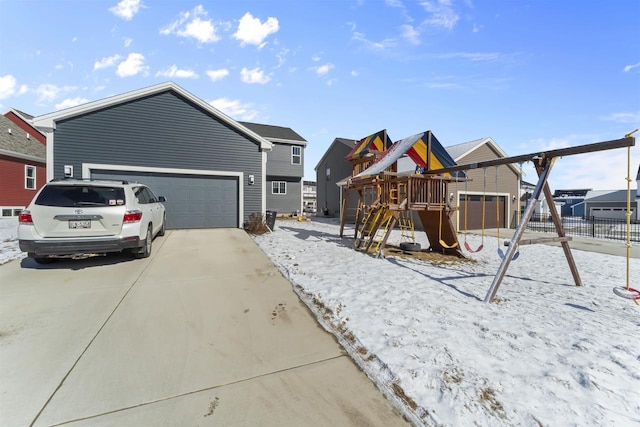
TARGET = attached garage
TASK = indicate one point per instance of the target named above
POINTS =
(211, 169)
(193, 200)
(472, 208)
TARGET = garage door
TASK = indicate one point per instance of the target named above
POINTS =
(474, 215)
(193, 201)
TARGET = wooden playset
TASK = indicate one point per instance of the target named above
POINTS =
(388, 198)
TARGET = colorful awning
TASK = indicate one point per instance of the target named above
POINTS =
(415, 147)
(378, 141)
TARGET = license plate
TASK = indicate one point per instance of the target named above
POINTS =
(83, 223)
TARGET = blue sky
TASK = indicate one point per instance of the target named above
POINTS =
(532, 75)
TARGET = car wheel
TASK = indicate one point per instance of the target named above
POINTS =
(163, 229)
(145, 250)
(41, 259)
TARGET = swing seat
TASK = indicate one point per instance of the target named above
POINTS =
(467, 246)
(501, 254)
(444, 244)
(627, 293)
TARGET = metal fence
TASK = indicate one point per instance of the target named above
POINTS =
(601, 228)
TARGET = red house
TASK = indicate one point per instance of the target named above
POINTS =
(22, 162)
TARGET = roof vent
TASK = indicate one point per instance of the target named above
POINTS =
(28, 136)
(9, 130)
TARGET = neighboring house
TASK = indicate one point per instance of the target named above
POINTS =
(211, 168)
(500, 196)
(285, 167)
(330, 170)
(22, 163)
(609, 203)
(309, 197)
(566, 200)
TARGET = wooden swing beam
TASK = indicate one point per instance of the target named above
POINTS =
(543, 162)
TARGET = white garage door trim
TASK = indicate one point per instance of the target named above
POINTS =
(88, 167)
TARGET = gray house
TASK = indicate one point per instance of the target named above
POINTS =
(285, 167)
(211, 168)
(330, 170)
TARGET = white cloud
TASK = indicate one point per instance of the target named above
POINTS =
(354, 73)
(441, 13)
(127, 41)
(23, 89)
(75, 39)
(411, 34)
(71, 102)
(252, 31)
(219, 74)
(234, 108)
(254, 76)
(133, 65)
(324, 69)
(108, 61)
(381, 45)
(472, 56)
(126, 9)
(193, 24)
(48, 92)
(174, 71)
(633, 117)
(7, 86)
(631, 67)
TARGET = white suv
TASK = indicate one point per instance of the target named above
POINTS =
(76, 219)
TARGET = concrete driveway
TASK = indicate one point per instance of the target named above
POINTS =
(204, 332)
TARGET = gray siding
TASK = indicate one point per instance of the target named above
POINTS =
(285, 203)
(328, 190)
(279, 161)
(163, 131)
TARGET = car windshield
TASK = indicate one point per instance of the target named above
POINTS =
(80, 195)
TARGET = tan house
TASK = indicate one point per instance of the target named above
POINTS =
(500, 196)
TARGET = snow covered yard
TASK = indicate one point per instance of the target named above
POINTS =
(546, 353)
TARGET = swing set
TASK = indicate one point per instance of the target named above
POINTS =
(426, 193)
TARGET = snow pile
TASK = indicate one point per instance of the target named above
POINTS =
(9, 240)
(546, 353)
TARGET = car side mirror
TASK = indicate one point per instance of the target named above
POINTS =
(162, 199)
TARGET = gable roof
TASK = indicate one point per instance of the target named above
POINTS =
(276, 133)
(15, 142)
(607, 196)
(48, 121)
(349, 143)
(458, 151)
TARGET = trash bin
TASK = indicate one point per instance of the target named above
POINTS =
(271, 219)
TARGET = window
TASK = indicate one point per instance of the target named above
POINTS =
(296, 155)
(278, 187)
(30, 177)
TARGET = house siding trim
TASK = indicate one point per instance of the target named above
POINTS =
(88, 167)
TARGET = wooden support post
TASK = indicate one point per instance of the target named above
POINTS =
(557, 221)
(343, 214)
(517, 235)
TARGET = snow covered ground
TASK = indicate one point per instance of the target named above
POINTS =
(9, 240)
(547, 353)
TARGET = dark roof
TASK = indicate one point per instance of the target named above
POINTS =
(349, 142)
(571, 193)
(19, 142)
(24, 115)
(274, 132)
